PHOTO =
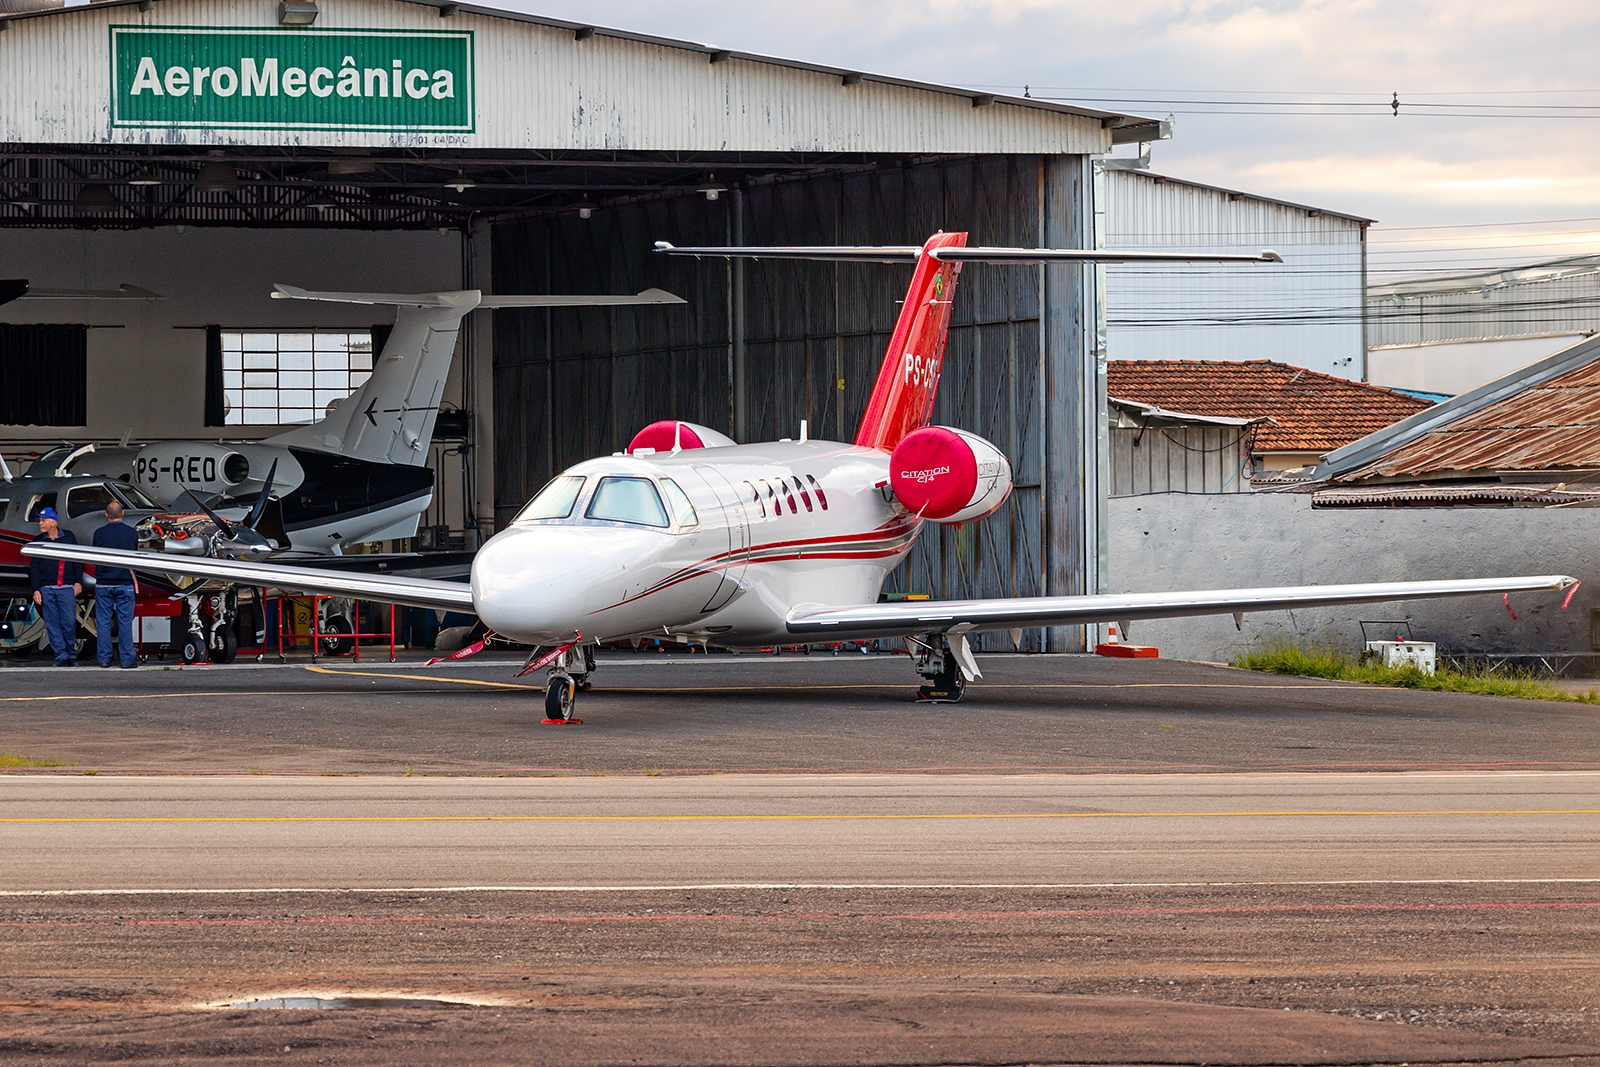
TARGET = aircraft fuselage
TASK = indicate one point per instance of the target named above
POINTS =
(774, 526)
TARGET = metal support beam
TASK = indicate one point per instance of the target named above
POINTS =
(1073, 379)
(477, 391)
(741, 383)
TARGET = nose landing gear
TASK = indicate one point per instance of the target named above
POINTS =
(569, 675)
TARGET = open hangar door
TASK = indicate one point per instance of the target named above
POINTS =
(552, 154)
(762, 345)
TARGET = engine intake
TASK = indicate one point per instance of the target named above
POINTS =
(949, 475)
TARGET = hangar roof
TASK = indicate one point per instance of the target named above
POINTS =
(602, 88)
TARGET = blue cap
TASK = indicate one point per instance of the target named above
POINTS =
(47, 513)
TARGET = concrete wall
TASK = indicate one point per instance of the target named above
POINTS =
(1165, 543)
(1457, 367)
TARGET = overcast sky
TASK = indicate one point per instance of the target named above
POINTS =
(1509, 136)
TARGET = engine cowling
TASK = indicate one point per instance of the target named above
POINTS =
(949, 475)
(669, 435)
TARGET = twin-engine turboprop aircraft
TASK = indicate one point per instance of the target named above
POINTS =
(687, 534)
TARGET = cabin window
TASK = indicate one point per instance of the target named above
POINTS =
(682, 510)
(628, 500)
(755, 495)
(772, 495)
(805, 497)
(555, 500)
(87, 500)
(5, 506)
(789, 494)
(817, 488)
(40, 502)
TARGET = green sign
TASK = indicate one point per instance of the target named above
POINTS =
(190, 77)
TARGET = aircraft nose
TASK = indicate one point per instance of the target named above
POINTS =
(534, 583)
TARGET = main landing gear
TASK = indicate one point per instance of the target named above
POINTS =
(569, 675)
(946, 664)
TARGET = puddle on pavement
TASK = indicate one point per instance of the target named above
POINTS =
(353, 1002)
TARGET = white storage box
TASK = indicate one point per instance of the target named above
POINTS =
(1418, 654)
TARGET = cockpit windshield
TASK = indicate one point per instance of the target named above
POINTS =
(555, 500)
(628, 500)
(682, 510)
(134, 497)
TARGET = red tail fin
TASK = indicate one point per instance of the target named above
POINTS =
(902, 400)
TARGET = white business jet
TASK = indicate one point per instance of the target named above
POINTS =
(688, 535)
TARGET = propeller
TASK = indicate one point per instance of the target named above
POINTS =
(242, 541)
(261, 501)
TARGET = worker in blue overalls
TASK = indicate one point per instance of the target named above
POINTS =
(56, 586)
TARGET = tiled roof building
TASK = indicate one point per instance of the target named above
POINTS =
(1310, 413)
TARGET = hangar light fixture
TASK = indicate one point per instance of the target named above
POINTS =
(585, 209)
(712, 190)
(144, 176)
(460, 183)
(321, 204)
(26, 203)
(216, 177)
(96, 199)
(297, 12)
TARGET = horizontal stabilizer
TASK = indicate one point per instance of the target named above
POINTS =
(909, 618)
(384, 588)
(953, 254)
(465, 298)
(649, 296)
(470, 298)
(121, 292)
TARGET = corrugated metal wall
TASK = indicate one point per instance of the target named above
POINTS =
(1179, 459)
(539, 88)
(808, 325)
(1519, 309)
(1306, 311)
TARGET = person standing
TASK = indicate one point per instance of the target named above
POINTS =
(113, 590)
(56, 585)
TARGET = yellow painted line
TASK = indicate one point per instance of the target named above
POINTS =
(184, 695)
(423, 678)
(713, 687)
(915, 817)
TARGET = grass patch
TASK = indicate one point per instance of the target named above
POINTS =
(12, 759)
(1330, 663)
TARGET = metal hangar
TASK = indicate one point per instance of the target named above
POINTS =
(204, 150)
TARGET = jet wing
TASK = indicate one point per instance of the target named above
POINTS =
(910, 618)
(386, 588)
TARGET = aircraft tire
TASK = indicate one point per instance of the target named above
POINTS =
(335, 645)
(229, 650)
(559, 696)
(192, 650)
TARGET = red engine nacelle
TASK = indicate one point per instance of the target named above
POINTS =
(669, 435)
(949, 475)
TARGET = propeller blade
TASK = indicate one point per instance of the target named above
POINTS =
(222, 524)
(261, 501)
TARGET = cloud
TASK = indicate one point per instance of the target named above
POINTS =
(1430, 166)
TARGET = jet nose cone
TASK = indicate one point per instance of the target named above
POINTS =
(532, 583)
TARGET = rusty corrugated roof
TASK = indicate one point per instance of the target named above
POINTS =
(1448, 494)
(1552, 426)
(1310, 411)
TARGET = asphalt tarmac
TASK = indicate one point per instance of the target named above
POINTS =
(729, 714)
(786, 860)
